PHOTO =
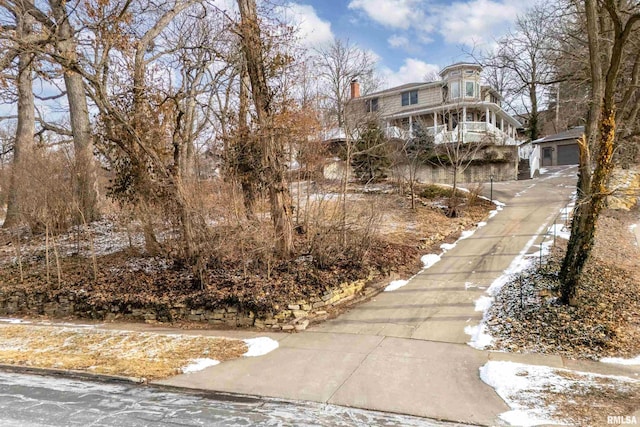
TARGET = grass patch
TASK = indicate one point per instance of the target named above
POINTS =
(132, 354)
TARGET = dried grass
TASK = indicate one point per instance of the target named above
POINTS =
(133, 354)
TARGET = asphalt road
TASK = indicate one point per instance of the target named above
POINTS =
(38, 401)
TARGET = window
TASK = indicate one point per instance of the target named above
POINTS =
(372, 105)
(455, 90)
(470, 89)
(410, 98)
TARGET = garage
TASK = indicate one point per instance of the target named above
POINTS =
(568, 154)
(561, 148)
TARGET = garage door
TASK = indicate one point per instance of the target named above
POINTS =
(568, 154)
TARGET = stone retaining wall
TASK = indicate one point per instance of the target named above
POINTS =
(295, 316)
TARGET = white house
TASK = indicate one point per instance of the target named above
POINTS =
(458, 106)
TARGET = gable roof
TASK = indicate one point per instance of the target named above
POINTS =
(573, 133)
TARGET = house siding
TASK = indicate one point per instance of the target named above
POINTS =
(392, 104)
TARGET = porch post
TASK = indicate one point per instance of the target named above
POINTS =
(464, 119)
(435, 123)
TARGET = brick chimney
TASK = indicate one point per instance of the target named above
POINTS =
(355, 89)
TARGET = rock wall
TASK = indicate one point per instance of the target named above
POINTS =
(295, 316)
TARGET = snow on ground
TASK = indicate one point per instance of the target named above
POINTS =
(559, 230)
(259, 346)
(199, 365)
(16, 321)
(396, 284)
(447, 246)
(429, 260)
(13, 321)
(621, 361)
(524, 387)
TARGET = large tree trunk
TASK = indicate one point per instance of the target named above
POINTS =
(245, 161)
(272, 149)
(26, 124)
(587, 213)
(603, 87)
(86, 177)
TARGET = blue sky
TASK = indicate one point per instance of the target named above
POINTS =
(411, 38)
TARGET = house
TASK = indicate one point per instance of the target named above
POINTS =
(559, 149)
(456, 107)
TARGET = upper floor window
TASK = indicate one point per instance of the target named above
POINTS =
(410, 98)
(470, 89)
(372, 105)
(455, 90)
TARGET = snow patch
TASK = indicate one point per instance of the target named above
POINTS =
(260, 346)
(466, 234)
(483, 303)
(621, 361)
(447, 246)
(197, 365)
(396, 284)
(13, 320)
(481, 224)
(522, 387)
(429, 260)
(559, 230)
(480, 338)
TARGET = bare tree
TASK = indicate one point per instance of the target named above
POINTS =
(609, 25)
(414, 152)
(271, 147)
(340, 64)
(457, 151)
(520, 67)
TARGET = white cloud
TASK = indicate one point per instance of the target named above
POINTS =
(390, 13)
(398, 41)
(469, 22)
(412, 70)
(477, 21)
(314, 32)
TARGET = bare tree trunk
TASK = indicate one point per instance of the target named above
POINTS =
(247, 175)
(534, 122)
(86, 177)
(272, 149)
(592, 203)
(26, 123)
